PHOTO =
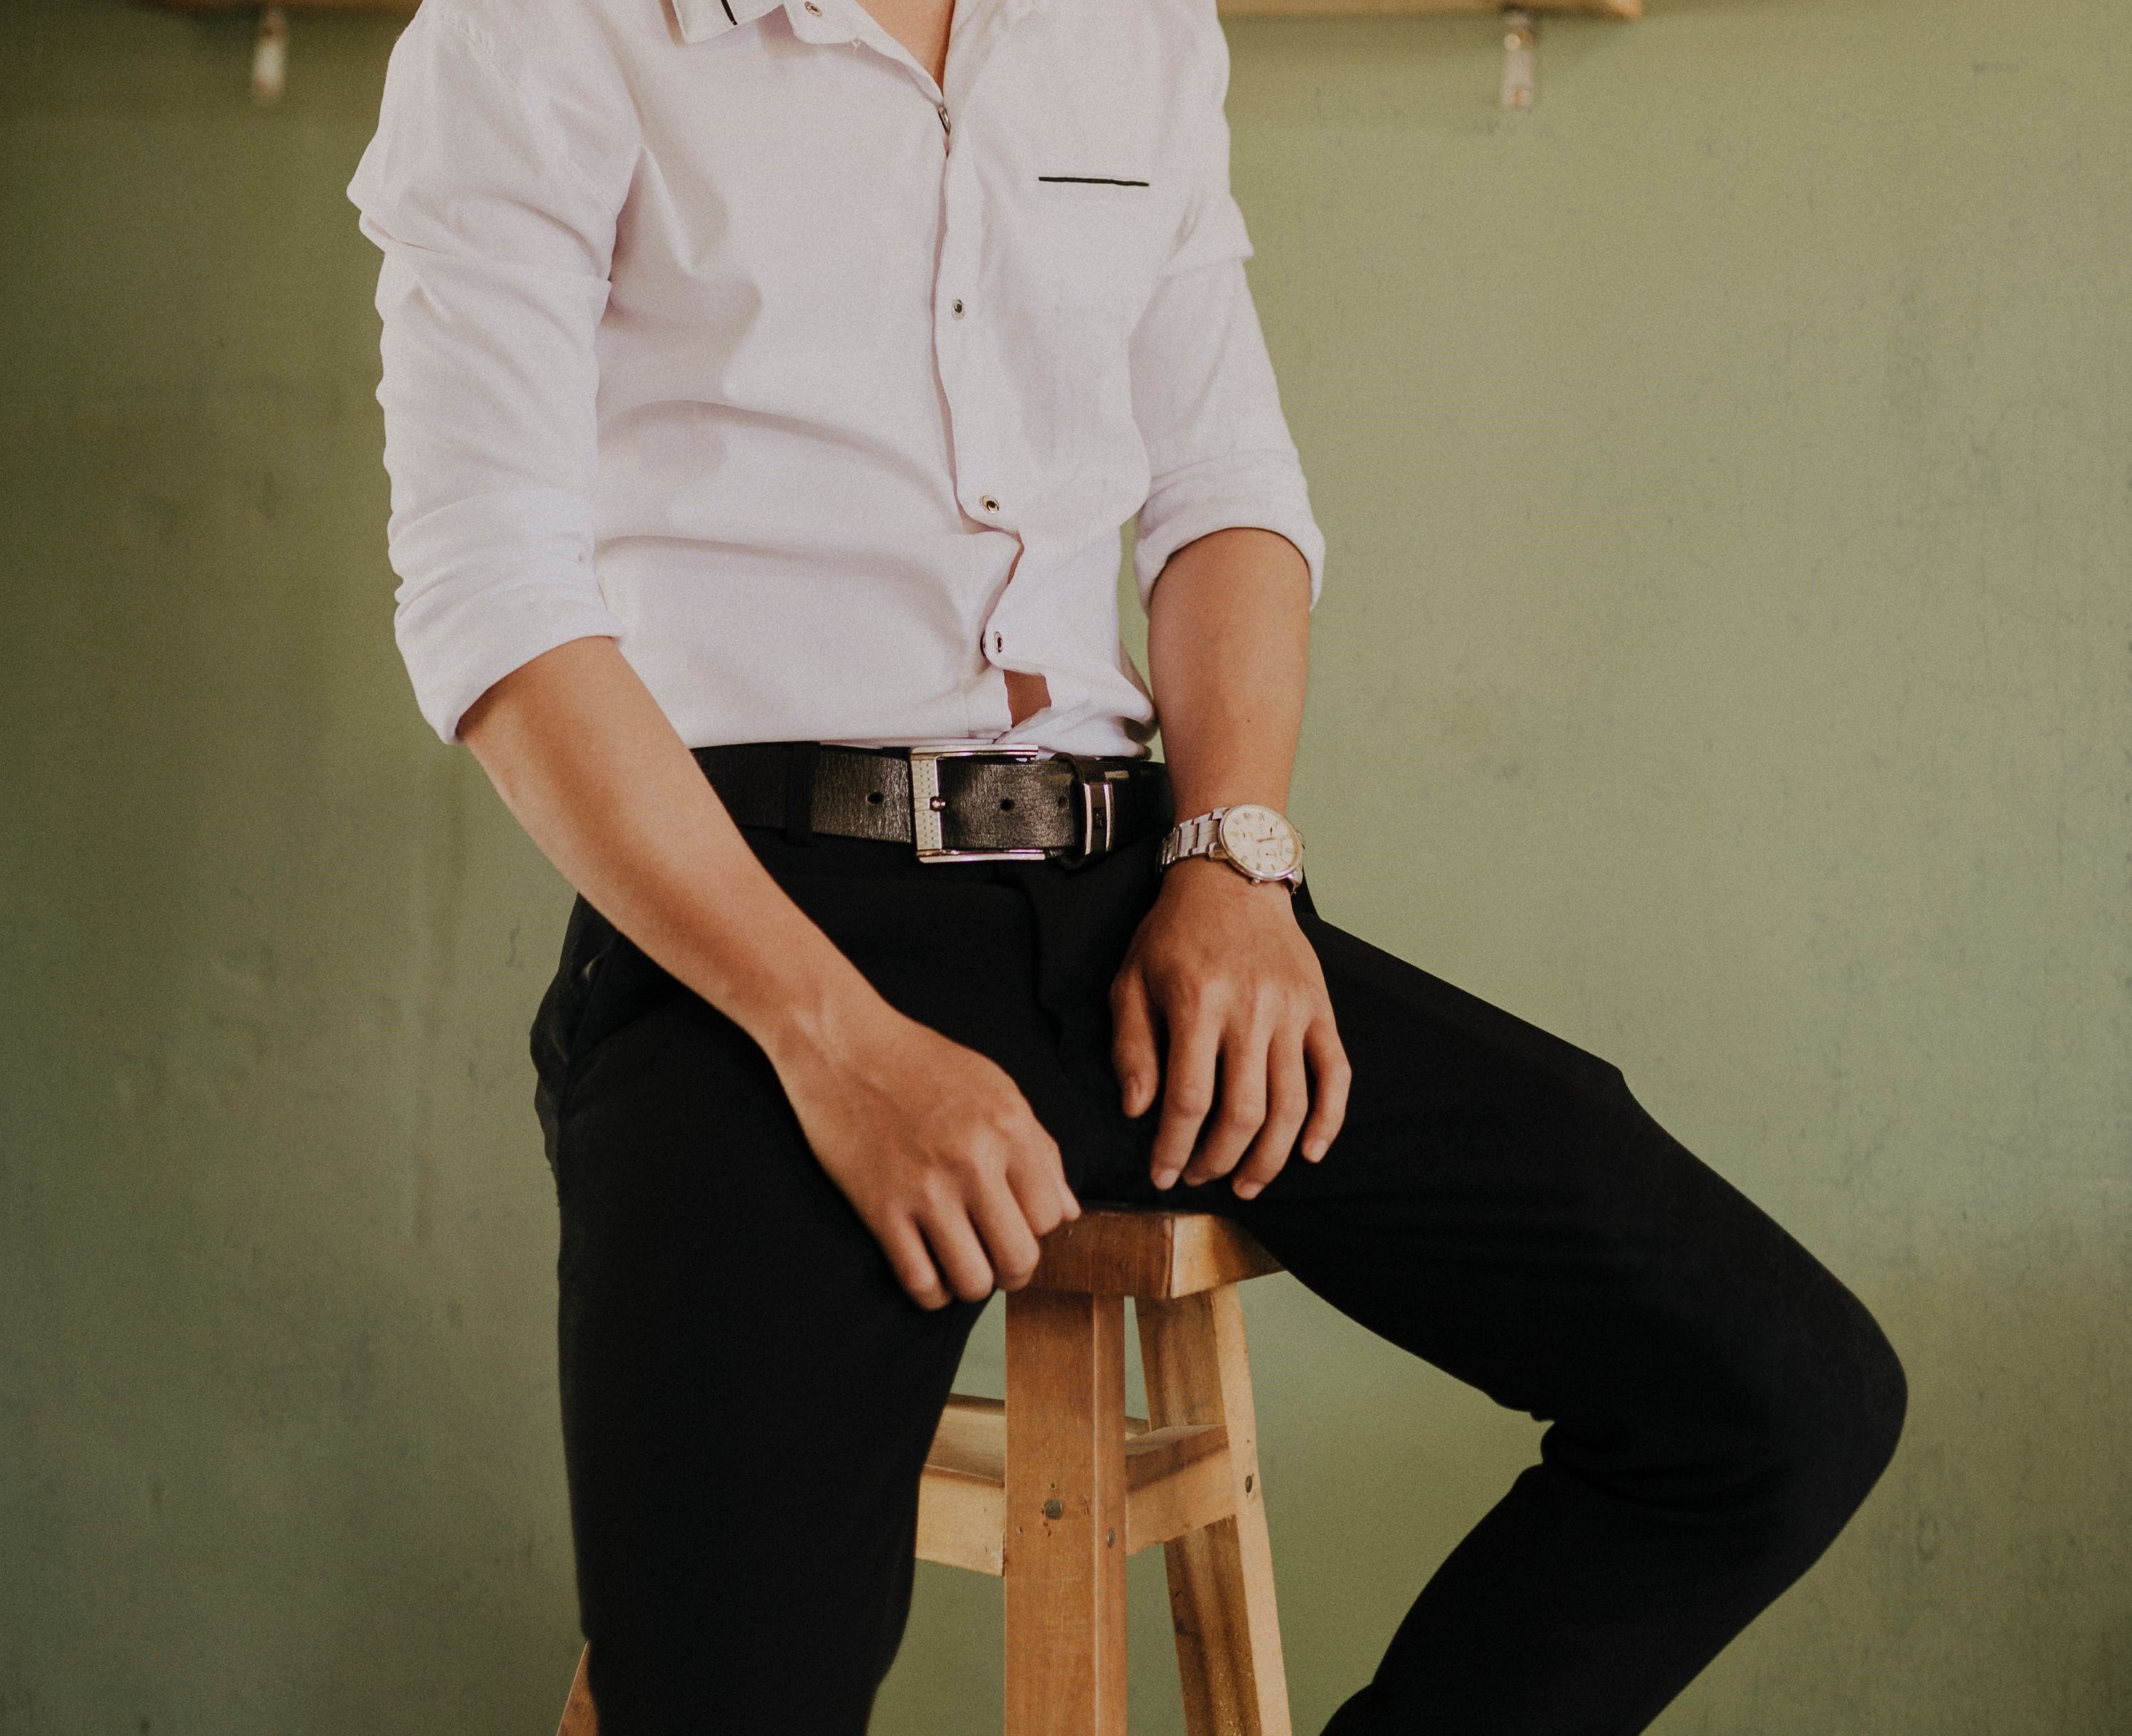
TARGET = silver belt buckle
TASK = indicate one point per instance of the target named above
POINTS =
(927, 804)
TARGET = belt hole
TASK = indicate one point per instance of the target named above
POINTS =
(875, 797)
(1006, 804)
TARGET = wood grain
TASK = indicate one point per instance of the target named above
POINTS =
(1066, 1515)
(1221, 1576)
(1115, 1251)
(962, 1495)
(1176, 1480)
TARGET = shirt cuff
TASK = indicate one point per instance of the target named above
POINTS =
(1252, 493)
(486, 585)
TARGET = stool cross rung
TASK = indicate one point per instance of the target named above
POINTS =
(1177, 1479)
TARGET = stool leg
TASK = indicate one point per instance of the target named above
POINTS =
(579, 1717)
(1065, 1515)
(1220, 1577)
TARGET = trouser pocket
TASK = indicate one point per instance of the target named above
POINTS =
(589, 942)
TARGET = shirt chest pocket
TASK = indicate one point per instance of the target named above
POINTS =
(1093, 240)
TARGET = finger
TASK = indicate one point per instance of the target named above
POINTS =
(1009, 1247)
(1054, 1169)
(1133, 1051)
(1288, 1102)
(1241, 1110)
(1331, 1076)
(1188, 1093)
(1038, 1182)
(957, 1250)
(913, 1266)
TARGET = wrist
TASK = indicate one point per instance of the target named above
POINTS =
(1200, 874)
(809, 1012)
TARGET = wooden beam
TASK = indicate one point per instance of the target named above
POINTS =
(1177, 1479)
(1066, 1515)
(1228, 8)
(1410, 8)
(962, 1495)
(1221, 1575)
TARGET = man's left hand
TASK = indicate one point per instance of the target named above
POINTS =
(1220, 968)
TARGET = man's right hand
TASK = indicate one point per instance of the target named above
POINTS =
(937, 1150)
(934, 1144)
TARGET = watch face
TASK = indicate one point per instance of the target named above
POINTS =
(1259, 842)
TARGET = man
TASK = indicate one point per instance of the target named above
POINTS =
(766, 385)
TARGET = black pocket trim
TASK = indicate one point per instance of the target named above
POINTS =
(1090, 181)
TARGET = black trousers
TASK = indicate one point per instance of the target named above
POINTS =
(1498, 1204)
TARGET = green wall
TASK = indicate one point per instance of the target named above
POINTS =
(1728, 469)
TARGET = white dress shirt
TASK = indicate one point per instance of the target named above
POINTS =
(717, 326)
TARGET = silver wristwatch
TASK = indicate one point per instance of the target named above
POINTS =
(1256, 841)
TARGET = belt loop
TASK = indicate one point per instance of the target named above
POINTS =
(1095, 800)
(800, 758)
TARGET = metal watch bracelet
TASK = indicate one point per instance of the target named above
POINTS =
(1256, 841)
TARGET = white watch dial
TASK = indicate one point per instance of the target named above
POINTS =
(1259, 842)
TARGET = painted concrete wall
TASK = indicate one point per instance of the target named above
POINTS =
(1728, 476)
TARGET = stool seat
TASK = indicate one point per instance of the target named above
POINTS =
(1155, 1255)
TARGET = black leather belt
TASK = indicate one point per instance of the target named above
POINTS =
(953, 804)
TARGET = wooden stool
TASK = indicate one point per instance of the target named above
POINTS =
(1053, 1488)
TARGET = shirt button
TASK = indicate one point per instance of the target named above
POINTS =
(988, 503)
(999, 642)
(955, 307)
(814, 9)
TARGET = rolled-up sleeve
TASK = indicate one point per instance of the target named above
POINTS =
(1219, 453)
(494, 203)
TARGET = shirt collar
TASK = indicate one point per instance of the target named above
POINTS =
(700, 20)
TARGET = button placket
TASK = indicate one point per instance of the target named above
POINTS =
(957, 364)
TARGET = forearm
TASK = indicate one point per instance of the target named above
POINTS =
(588, 762)
(957, 1182)
(1228, 654)
(1221, 999)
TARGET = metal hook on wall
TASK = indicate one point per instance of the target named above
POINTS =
(1520, 55)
